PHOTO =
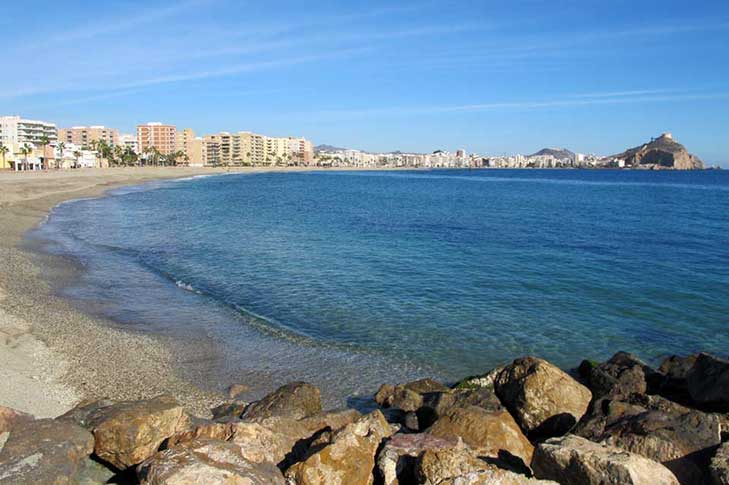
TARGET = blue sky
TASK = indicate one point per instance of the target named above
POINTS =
(489, 76)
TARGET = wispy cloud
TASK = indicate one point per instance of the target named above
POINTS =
(567, 101)
(99, 27)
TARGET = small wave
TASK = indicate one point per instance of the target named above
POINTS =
(187, 287)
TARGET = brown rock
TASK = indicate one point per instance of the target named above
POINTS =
(437, 404)
(195, 428)
(206, 461)
(682, 439)
(383, 394)
(405, 399)
(236, 390)
(45, 451)
(296, 400)
(282, 440)
(489, 433)
(574, 460)
(544, 400)
(408, 397)
(463, 467)
(229, 409)
(396, 461)
(10, 417)
(348, 459)
(622, 375)
(719, 467)
(127, 433)
(708, 382)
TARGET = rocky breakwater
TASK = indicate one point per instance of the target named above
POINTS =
(529, 422)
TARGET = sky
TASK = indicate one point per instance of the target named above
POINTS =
(491, 77)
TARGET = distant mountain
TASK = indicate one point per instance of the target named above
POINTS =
(558, 153)
(662, 152)
(328, 148)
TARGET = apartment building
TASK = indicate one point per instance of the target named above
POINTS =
(211, 150)
(15, 131)
(246, 148)
(85, 136)
(129, 141)
(192, 146)
(160, 136)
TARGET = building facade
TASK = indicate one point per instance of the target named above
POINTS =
(157, 135)
(86, 136)
(16, 131)
(192, 147)
(129, 141)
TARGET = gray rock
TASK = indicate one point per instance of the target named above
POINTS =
(45, 451)
(572, 460)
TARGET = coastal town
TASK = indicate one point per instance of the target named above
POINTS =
(39, 145)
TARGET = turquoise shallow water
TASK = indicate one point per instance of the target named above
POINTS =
(355, 278)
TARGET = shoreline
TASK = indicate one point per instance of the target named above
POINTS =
(46, 367)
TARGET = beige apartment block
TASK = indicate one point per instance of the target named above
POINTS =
(86, 136)
(157, 135)
(192, 147)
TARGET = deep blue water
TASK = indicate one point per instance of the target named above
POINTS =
(355, 278)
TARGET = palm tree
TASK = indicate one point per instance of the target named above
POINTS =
(118, 154)
(76, 154)
(60, 147)
(43, 142)
(129, 156)
(26, 150)
(3, 151)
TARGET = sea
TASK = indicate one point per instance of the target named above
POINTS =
(350, 279)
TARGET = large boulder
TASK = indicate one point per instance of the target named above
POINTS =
(572, 460)
(545, 400)
(195, 428)
(675, 370)
(680, 438)
(296, 400)
(461, 466)
(708, 382)
(210, 462)
(348, 458)
(129, 432)
(719, 467)
(622, 375)
(480, 381)
(10, 417)
(407, 397)
(45, 451)
(283, 440)
(396, 461)
(437, 404)
(490, 433)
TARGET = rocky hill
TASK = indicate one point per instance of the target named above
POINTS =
(661, 153)
(558, 153)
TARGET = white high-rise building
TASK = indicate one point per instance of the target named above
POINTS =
(15, 131)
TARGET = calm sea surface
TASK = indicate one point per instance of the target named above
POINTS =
(350, 279)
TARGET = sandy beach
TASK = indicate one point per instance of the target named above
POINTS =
(51, 354)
